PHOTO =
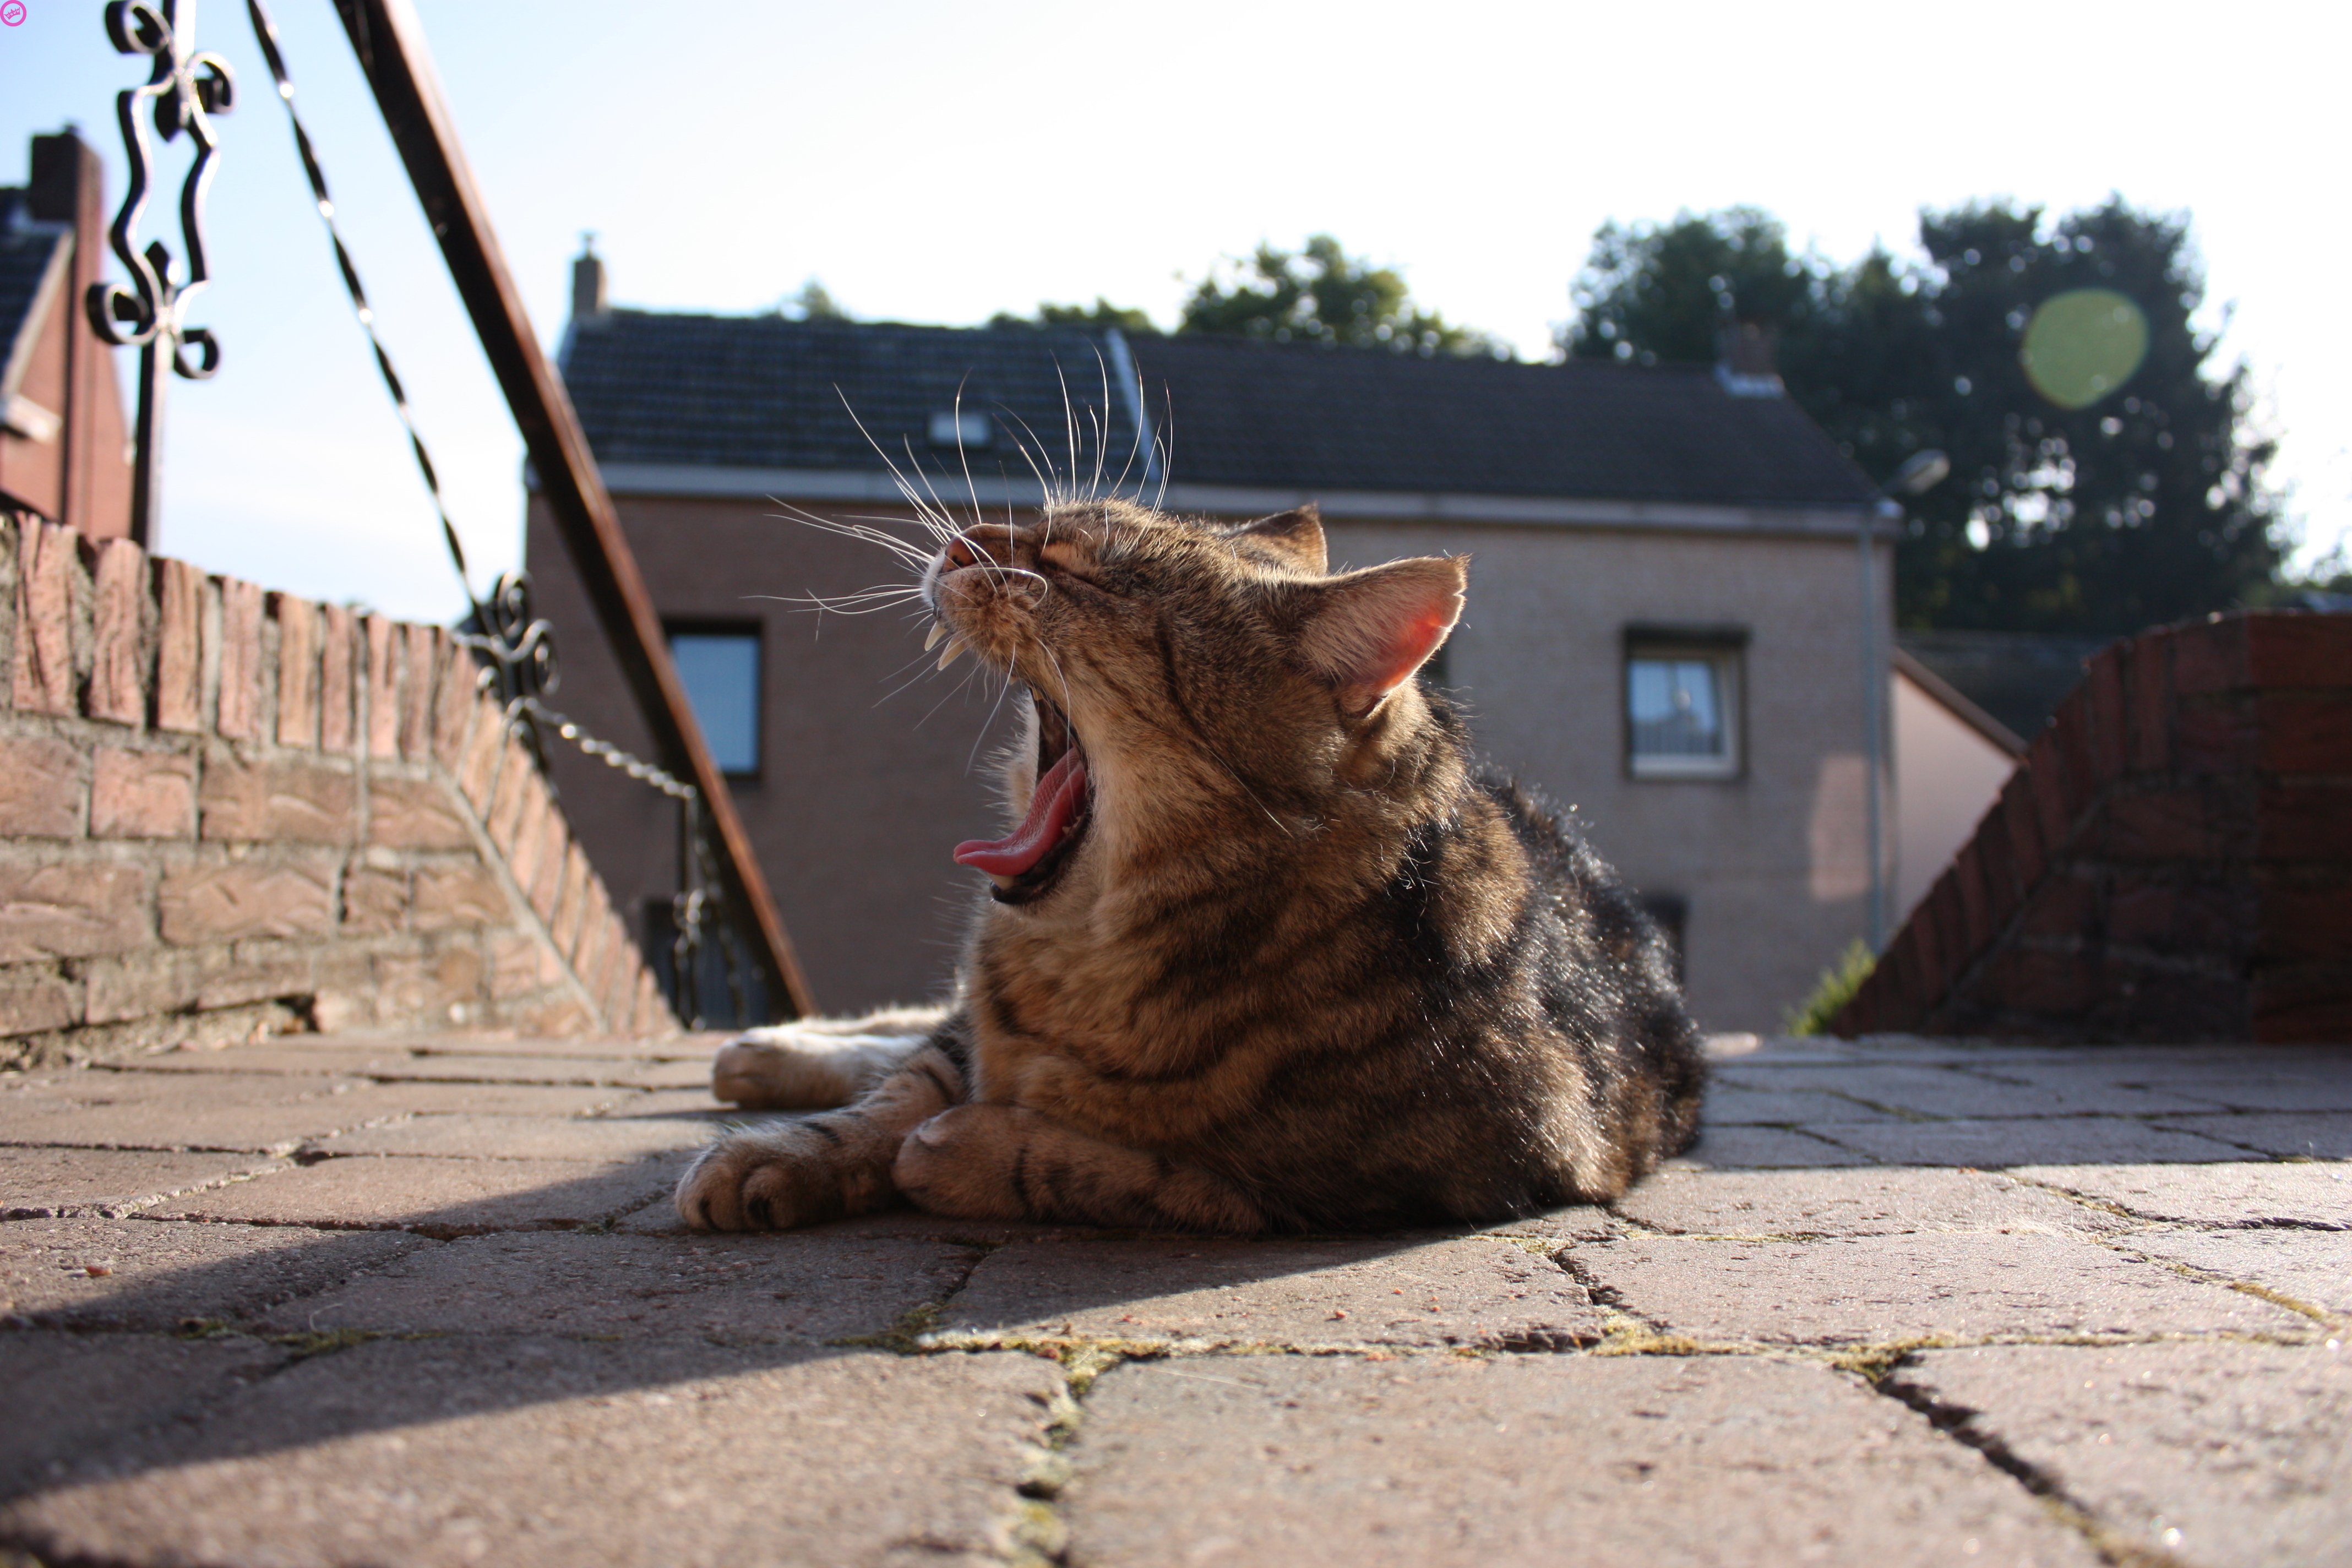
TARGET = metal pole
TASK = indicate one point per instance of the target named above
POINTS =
(390, 43)
(1874, 699)
(147, 441)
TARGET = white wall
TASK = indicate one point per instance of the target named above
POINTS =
(1947, 776)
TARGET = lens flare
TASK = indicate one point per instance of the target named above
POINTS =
(2083, 345)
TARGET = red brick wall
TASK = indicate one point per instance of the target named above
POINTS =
(2171, 860)
(225, 811)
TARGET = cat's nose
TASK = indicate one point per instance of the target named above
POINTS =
(974, 545)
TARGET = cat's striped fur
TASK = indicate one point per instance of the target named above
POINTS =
(1266, 951)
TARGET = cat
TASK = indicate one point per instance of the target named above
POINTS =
(1265, 950)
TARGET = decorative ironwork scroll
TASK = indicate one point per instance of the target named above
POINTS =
(186, 89)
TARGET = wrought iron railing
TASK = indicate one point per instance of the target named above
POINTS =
(716, 878)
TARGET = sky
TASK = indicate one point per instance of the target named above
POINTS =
(938, 163)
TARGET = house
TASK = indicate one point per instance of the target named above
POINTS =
(1951, 758)
(62, 434)
(1663, 627)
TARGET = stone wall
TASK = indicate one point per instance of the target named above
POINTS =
(2171, 861)
(226, 812)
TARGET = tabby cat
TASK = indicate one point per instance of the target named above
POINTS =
(1265, 951)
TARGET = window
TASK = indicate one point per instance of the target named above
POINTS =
(958, 427)
(1682, 702)
(721, 672)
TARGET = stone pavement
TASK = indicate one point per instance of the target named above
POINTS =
(345, 1300)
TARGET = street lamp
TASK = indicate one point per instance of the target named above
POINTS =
(1921, 472)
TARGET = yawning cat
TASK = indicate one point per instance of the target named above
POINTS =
(1265, 949)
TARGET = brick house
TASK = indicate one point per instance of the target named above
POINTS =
(1663, 624)
(62, 453)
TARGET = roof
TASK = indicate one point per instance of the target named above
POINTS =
(1236, 412)
(764, 391)
(2016, 676)
(1949, 698)
(769, 393)
(28, 249)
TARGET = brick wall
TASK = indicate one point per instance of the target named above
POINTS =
(226, 812)
(2171, 861)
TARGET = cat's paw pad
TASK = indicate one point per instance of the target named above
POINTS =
(758, 1181)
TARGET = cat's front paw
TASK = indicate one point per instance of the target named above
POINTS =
(773, 1178)
(964, 1161)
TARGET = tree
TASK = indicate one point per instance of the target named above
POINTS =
(813, 303)
(1323, 295)
(1102, 313)
(2104, 474)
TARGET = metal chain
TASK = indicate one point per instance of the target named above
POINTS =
(265, 32)
(518, 649)
(611, 756)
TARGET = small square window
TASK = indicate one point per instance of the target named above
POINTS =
(959, 428)
(721, 672)
(1682, 709)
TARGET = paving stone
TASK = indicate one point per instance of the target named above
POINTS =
(261, 1112)
(2277, 1192)
(691, 1073)
(497, 1098)
(156, 1274)
(1615, 1461)
(2312, 1267)
(2027, 1140)
(686, 1047)
(485, 1068)
(740, 1289)
(1872, 1202)
(1879, 1288)
(2314, 1086)
(436, 1196)
(1762, 1148)
(550, 1453)
(522, 1138)
(43, 1184)
(2311, 1135)
(2080, 1083)
(1577, 1221)
(1926, 1090)
(327, 1057)
(2230, 1456)
(69, 1393)
(1457, 1291)
(1737, 1105)
(687, 1102)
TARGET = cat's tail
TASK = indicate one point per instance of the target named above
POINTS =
(817, 1063)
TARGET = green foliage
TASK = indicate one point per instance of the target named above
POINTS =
(1653, 293)
(813, 303)
(2073, 506)
(1102, 313)
(1323, 295)
(1836, 987)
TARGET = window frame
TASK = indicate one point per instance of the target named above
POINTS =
(1722, 646)
(757, 631)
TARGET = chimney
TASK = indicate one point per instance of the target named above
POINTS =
(1747, 369)
(588, 282)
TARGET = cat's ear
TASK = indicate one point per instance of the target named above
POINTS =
(1367, 632)
(1298, 534)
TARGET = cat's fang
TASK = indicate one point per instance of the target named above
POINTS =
(939, 630)
(956, 650)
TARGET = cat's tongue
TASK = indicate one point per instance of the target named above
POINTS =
(1056, 800)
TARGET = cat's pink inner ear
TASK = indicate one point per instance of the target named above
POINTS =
(1375, 627)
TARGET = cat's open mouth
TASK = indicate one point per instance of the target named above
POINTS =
(1025, 863)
